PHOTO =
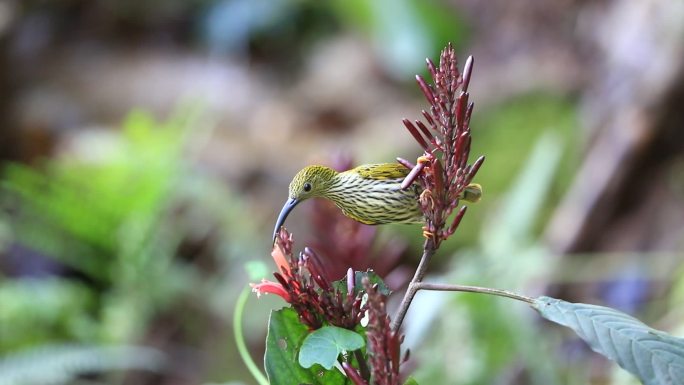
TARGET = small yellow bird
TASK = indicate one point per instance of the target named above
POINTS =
(370, 193)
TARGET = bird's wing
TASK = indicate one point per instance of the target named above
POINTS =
(382, 171)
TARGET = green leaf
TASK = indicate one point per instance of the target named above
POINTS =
(325, 344)
(411, 381)
(653, 356)
(374, 280)
(341, 284)
(285, 337)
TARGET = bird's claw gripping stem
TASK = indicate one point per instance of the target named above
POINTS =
(427, 233)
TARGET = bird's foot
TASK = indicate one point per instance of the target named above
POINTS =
(427, 233)
(424, 159)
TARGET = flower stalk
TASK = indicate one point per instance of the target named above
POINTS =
(443, 170)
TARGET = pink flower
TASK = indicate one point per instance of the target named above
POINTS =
(266, 287)
(280, 259)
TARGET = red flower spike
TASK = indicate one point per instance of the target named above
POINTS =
(467, 71)
(469, 112)
(406, 163)
(383, 343)
(457, 220)
(464, 100)
(425, 131)
(427, 90)
(460, 142)
(428, 118)
(442, 106)
(447, 129)
(315, 268)
(431, 69)
(353, 374)
(280, 279)
(475, 167)
(393, 346)
(350, 281)
(466, 150)
(439, 172)
(416, 135)
(302, 283)
(411, 177)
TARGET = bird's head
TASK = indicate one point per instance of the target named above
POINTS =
(311, 181)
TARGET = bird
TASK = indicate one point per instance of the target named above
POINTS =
(370, 193)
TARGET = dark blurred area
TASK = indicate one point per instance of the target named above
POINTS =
(146, 148)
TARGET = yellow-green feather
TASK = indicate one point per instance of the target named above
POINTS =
(381, 171)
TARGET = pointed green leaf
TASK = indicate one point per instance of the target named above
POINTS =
(341, 284)
(325, 344)
(285, 337)
(653, 356)
(411, 381)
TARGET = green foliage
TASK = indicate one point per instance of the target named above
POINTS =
(324, 345)
(61, 364)
(85, 212)
(285, 337)
(39, 310)
(105, 214)
(653, 356)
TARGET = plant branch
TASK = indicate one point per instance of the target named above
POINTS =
(417, 284)
(472, 289)
(429, 249)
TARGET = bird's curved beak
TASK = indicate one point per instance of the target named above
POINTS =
(287, 207)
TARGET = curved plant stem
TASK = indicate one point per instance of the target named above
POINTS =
(429, 249)
(472, 289)
(240, 339)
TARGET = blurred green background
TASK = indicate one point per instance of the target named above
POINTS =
(146, 148)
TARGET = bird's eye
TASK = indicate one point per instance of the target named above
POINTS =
(307, 187)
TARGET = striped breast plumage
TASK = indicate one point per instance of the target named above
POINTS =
(371, 194)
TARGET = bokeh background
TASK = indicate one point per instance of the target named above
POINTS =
(146, 148)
